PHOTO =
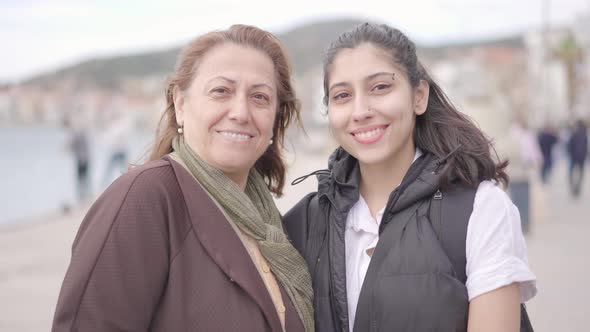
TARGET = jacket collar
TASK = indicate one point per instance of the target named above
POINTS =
(341, 184)
(222, 244)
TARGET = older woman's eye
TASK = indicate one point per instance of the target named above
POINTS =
(220, 90)
(261, 96)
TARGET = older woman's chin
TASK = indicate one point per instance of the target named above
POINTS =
(233, 163)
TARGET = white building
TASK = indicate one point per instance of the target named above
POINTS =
(581, 30)
(547, 77)
(473, 89)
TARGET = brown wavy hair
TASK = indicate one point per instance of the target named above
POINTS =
(441, 130)
(271, 164)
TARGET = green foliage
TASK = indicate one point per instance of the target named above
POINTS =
(568, 49)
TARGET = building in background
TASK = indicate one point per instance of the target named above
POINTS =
(581, 31)
(492, 81)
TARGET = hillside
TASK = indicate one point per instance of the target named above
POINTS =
(305, 44)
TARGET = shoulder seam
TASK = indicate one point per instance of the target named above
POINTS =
(105, 240)
(190, 228)
(188, 231)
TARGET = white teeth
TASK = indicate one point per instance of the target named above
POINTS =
(368, 134)
(236, 136)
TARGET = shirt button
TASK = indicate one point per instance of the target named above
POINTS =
(265, 268)
(281, 308)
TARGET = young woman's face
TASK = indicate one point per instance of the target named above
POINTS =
(372, 105)
(229, 110)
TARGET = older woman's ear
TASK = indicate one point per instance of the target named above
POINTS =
(178, 98)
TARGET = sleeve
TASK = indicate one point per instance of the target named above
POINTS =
(495, 247)
(296, 223)
(119, 263)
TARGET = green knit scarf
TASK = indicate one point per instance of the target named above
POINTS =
(256, 214)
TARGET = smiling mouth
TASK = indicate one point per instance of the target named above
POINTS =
(369, 135)
(236, 136)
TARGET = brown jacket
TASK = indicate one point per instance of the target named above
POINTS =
(154, 253)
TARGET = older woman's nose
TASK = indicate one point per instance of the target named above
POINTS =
(239, 109)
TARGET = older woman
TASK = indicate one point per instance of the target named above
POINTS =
(192, 240)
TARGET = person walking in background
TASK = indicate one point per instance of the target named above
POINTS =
(547, 138)
(192, 240)
(116, 138)
(524, 156)
(577, 148)
(79, 145)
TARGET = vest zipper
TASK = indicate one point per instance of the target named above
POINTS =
(437, 222)
(438, 194)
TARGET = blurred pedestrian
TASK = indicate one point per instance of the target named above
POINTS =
(78, 144)
(577, 148)
(116, 138)
(524, 156)
(547, 139)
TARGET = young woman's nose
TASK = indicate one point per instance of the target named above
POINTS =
(362, 109)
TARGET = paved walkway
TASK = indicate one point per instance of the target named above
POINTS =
(34, 257)
(559, 250)
(33, 261)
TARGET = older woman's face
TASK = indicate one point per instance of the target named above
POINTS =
(229, 110)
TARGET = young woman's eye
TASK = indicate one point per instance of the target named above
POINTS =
(341, 95)
(381, 87)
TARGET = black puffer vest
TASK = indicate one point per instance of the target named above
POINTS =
(410, 284)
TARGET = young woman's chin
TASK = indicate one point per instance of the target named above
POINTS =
(371, 158)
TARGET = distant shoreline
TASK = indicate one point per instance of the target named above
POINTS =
(24, 223)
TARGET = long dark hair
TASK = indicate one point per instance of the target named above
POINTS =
(441, 129)
(271, 164)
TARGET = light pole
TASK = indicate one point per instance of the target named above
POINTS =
(545, 91)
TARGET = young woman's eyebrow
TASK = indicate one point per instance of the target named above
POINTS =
(382, 73)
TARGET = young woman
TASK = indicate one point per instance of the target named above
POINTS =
(376, 260)
(192, 240)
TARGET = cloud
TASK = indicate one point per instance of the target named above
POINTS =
(45, 11)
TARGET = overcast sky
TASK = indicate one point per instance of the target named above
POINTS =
(41, 35)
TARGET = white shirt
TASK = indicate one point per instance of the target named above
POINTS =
(495, 248)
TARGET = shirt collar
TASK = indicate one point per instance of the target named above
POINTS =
(360, 219)
(417, 154)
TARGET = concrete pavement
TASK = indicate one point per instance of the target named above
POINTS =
(559, 250)
(35, 255)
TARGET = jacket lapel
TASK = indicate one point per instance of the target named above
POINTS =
(223, 244)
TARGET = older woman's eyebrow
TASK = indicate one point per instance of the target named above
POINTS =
(263, 85)
(228, 80)
(234, 82)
